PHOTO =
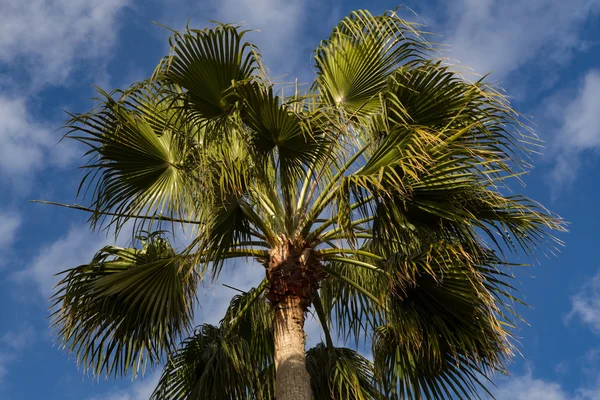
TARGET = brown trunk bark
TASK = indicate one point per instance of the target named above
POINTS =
(292, 379)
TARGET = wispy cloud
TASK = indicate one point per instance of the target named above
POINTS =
(502, 36)
(48, 38)
(585, 304)
(12, 344)
(578, 133)
(8, 228)
(529, 387)
(279, 22)
(526, 387)
(27, 144)
(76, 247)
(140, 390)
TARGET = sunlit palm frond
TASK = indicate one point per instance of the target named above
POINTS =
(355, 63)
(279, 133)
(139, 163)
(205, 63)
(437, 160)
(126, 308)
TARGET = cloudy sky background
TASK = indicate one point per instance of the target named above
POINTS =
(545, 53)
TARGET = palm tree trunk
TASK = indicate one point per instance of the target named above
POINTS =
(292, 379)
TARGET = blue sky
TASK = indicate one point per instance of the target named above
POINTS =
(545, 53)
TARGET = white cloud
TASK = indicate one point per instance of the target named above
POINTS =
(27, 145)
(77, 247)
(18, 340)
(585, 304)
(140, 390)
(49, 37)
(502, 36)
(279, 23)
(10, 223)
(12, 344)
(527, 387)
(579, 127)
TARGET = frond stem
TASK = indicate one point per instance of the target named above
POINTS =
(257, 292)
(113, 214)
(355, 252)
(323, 320)
(325, 196)
(354, 285)
(355, 262)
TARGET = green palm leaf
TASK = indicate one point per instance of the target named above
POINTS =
(446, 327)
(295, 138)
(355, 63)
(210, 365)
(138, 161)
(340, 373)
(232, 361)
(205, 63)
(125, 308)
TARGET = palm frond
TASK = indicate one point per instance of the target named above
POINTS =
(231, 361)
(294, 138)
(210, 365)
(446, 326)
(126, 308)
(250, 317)
(139, 163)
(205, 63)
(340, 373)
(355, 63)
(353, 297)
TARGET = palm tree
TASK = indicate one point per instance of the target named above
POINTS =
(376, 197)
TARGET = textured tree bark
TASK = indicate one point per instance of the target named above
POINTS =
(292, 379)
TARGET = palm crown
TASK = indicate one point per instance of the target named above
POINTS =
(376, 196)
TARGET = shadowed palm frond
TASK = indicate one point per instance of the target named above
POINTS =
(447, 327)
(126, 308)
(210, 365)
(232, 361)
(445, 315)
(340, 373)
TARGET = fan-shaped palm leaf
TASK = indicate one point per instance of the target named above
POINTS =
(205, 63)
(126, 307)
(139, 162)
(340, 373)
(354, 64)
(229, 361)
(210, 365)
